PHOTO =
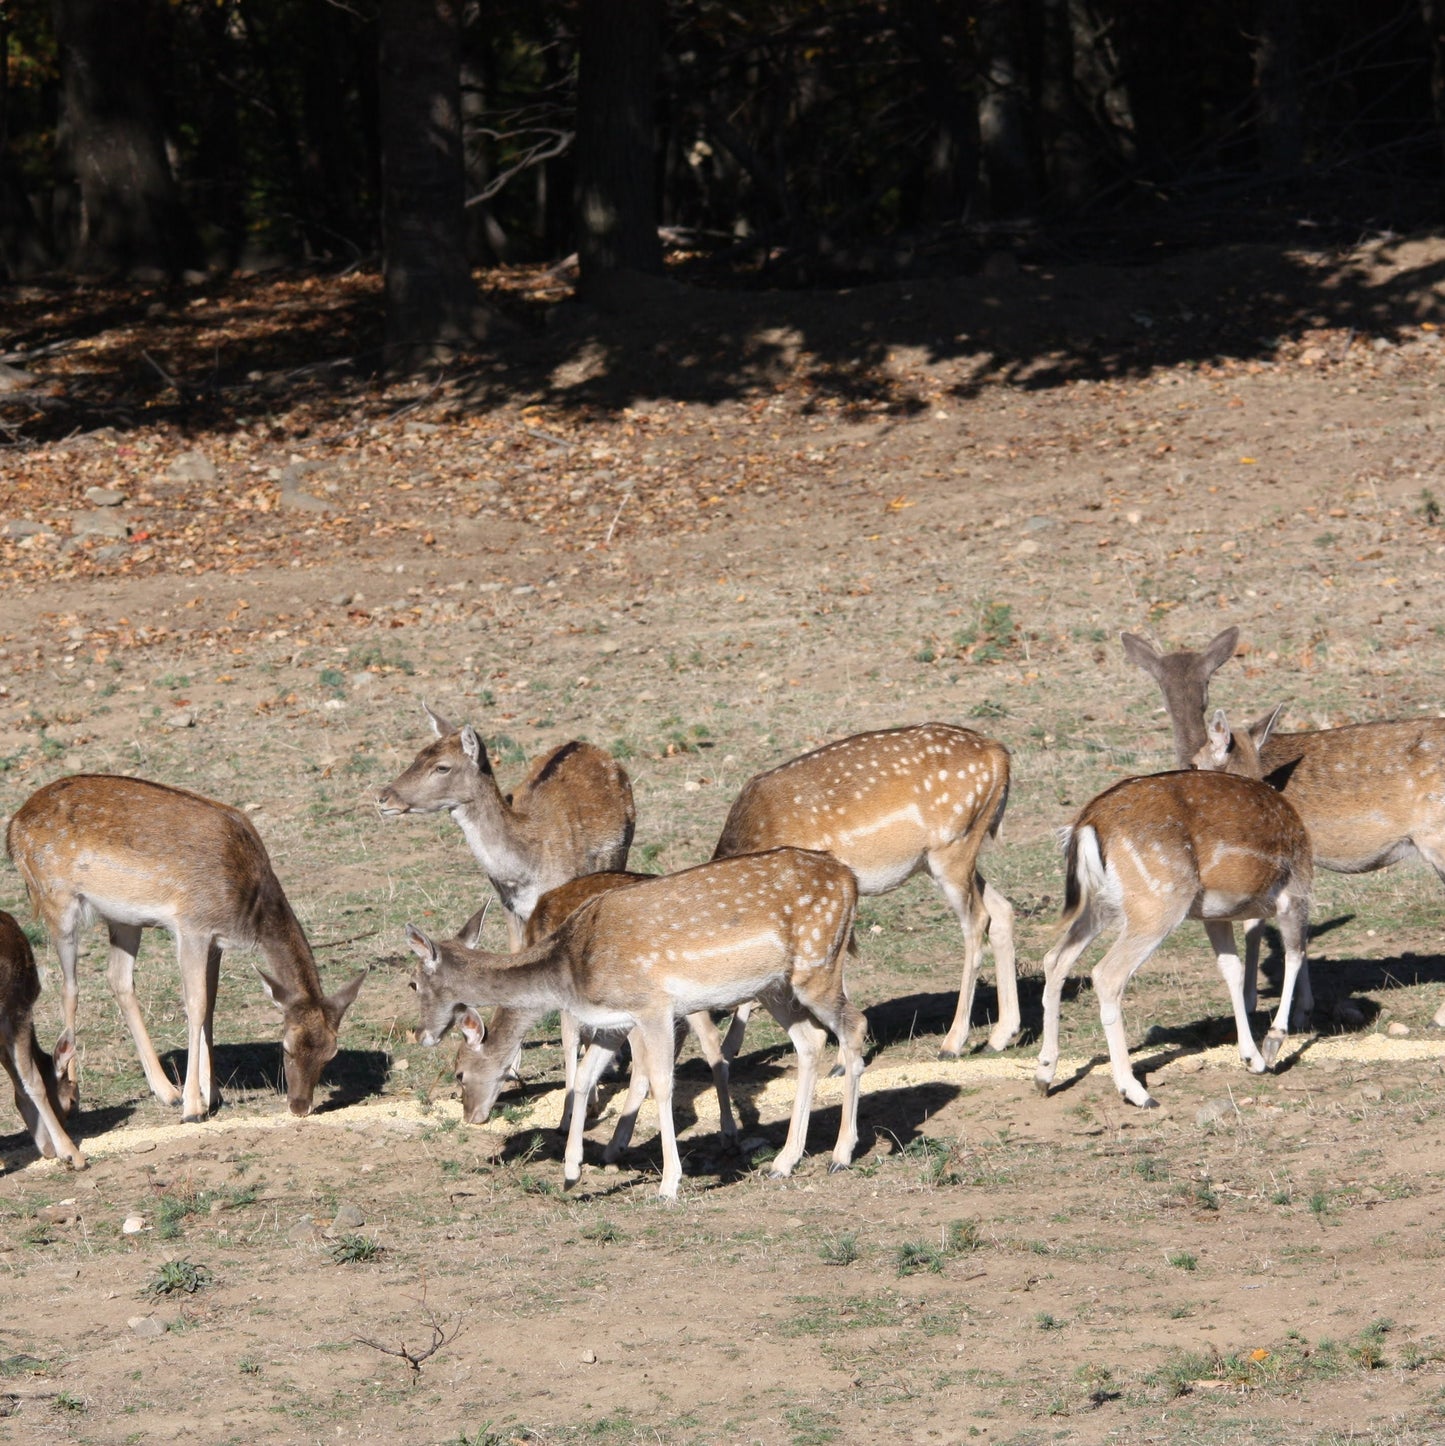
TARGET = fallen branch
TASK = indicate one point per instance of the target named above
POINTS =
(440, 1336)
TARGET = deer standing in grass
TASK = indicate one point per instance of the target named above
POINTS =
(480, 1071)
(571, 815)
(139, 855)
(45, 1087)
(1149, 853)
(889, 804)
(769, 926)
(1369, 794)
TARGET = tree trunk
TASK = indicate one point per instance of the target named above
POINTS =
(1003, 110)
(1277, 83)
(428, 284)
(130, 212)
(952, 159)
(1433, 14)
(616, 201)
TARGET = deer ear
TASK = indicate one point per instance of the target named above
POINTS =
(337, 1004)
(1262, 728)
(423, 948)
(1220, 738)
(472, 747)
(439, 725)
(1138, 652)
(470, 934)
(472, 1028)
(1219, 651)
(64, 1052)
(276, 991)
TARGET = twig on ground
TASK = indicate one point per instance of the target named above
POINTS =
(442, 1334)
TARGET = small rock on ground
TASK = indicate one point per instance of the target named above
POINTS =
(1214, 1111)
(147, 1326)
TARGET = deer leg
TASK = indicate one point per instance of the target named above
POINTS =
(733, 1040)
(808, 1038)
(66, 935)
(849, 1026)
(1000, 930)
(1111, 974)
(1221, 940)
(32, 1098)
(1433, 852)
(636, 1093)
(194, 954)
(599, 1052)
(656, 1038)
(210, 1085)
(1080, 932)
(124, 946)
(715, 1053)
(953, 871)
(1294, 932)
(571, 1042)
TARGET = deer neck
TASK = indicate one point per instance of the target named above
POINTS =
(498, 843)
(288, 952)
(532, 982)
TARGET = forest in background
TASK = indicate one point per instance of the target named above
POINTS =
(784, 143)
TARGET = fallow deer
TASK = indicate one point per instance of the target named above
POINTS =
(1369, 794)
(480, 1072)
(889, 804)
(138, 855)
(769, 926)
(45, 1087)
(571, 815)
(1150, 852)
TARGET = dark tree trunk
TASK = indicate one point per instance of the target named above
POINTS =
(429, 296)
(1063, 122)
(23, 247)
(1433, 14)
(1277, 84)
(618, 51)
(951, 163)
(130, 212)
(1003, 110)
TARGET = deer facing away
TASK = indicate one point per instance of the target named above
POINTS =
(480, 1071)
(139, 855)
(1369, 794)
(889, 804)
(45, 1088)
(769, 926)
(1149, 853)
(571, 815)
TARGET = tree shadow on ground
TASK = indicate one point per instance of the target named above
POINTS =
(249, 348)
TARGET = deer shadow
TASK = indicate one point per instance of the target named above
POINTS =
(18, 1150)
(352, 1076)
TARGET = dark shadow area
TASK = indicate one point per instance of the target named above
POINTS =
(83, 1126)
(228, 353)
(353, 1075)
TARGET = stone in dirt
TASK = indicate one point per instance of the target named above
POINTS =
(100, 523)
(1214, 1111)
(192, 467)
(148, 1327)
(348, 1217)
(132, 1225)
(104, 496)
(22, 527)
(1397, 1030)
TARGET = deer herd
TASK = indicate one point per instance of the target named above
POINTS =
(1233, 834)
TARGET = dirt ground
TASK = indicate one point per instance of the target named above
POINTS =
(710, 533)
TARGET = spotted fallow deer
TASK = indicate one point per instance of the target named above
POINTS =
(571, 815)
(45, 1087)
(1369, 794)
(138, 855)
(889, 804)
(480, 1071)
(769, 926)
(1149, 853)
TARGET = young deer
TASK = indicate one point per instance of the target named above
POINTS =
(1150, 852)
(1369, 794)
(480, 1071)
(888, 804)
(571, 815)
(45, 1091)
(1183, 678)
(768, 926)
(139, 855)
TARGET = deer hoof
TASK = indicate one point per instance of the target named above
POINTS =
(1043, 1086)
(1270, 1048)
(199, 1119)
(947, 1054)
(78, 1161)
(1150, 1103)
(837, 1167)
(836, 1072)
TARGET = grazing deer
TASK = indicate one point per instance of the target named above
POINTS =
(45, 1089)
(480, 1072)
(1369, 794)
(1183, 678)
(571, 815)
(141, 855)
(889, 804)
(769, 926)
(1151, 852)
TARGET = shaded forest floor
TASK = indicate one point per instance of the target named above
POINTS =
(710, 530)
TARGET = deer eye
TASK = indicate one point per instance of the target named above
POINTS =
(442, 768)
(411, 984)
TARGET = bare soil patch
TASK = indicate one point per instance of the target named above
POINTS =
(711, 533)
